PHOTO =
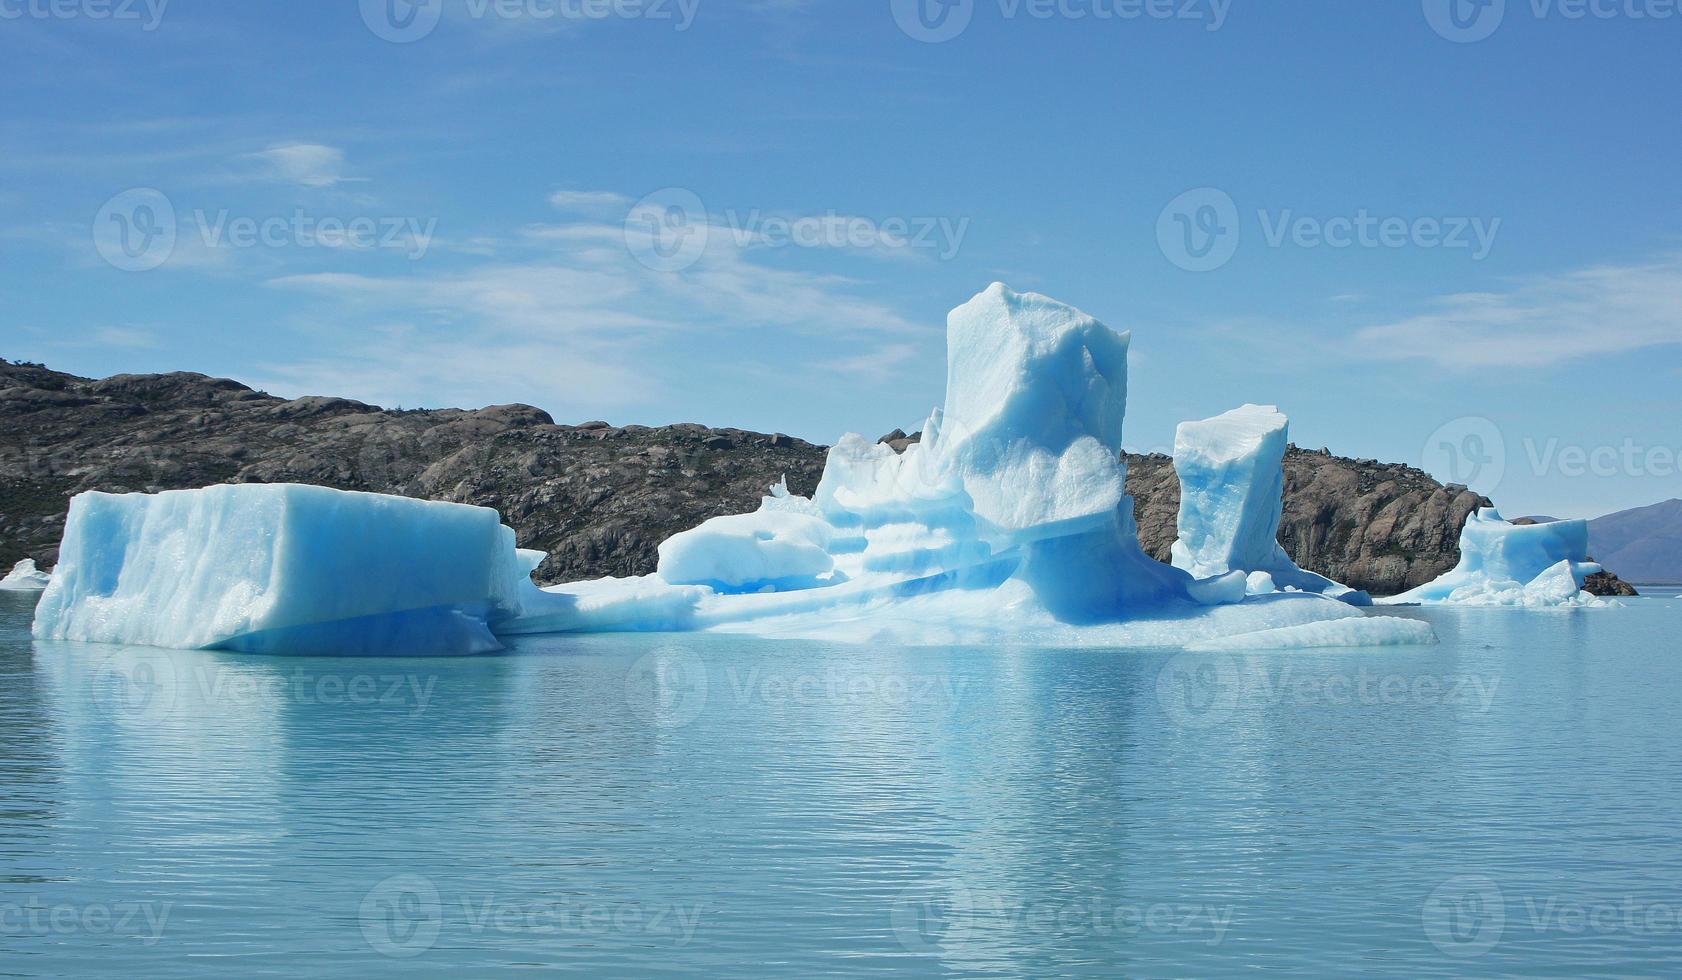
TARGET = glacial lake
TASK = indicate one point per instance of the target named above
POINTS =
(1507, 802)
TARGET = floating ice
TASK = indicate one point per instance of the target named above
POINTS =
(1232, 492)
(1370, 631)
(282, 568)
(1503, 564)
(1008, 522)
(783, 546)
(24, 577)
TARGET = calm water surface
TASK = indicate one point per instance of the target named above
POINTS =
(1504, 803)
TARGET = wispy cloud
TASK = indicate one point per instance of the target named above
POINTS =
(567, 306)
(1542, 321)
(589, 201)
(308, 164)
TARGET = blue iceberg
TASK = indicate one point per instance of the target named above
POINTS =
(1504, 564)
(1008, 522)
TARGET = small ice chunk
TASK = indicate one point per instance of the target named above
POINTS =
(741, 553)
(1503, 564)
(25, 577)
(1368, 631)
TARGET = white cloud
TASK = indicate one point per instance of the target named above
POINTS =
(566, 315)
(1542, 321)
(589, 201)
(308, 164)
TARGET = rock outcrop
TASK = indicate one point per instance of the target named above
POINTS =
(598, 498)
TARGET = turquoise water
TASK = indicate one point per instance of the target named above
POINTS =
(1504, 803)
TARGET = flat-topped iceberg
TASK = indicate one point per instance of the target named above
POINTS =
(1505, 564)
(288, 568)
(1008, 522)
(25, 577)
(1232, 497)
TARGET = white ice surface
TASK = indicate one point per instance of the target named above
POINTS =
(1369, 631)
(24, 577)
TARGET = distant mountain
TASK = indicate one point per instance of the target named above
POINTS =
(1644, 544)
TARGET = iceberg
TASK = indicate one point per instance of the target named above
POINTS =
(301, 569)
(1232, 497)
(24, 577)
(1008, 522)
(1504, 564)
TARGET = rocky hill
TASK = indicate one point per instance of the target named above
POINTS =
(598, 498)
(1644, 543)
(1382, 527)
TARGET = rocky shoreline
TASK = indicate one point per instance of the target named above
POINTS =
(597, 498)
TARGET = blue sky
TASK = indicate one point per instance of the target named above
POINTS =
(1424, 243)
